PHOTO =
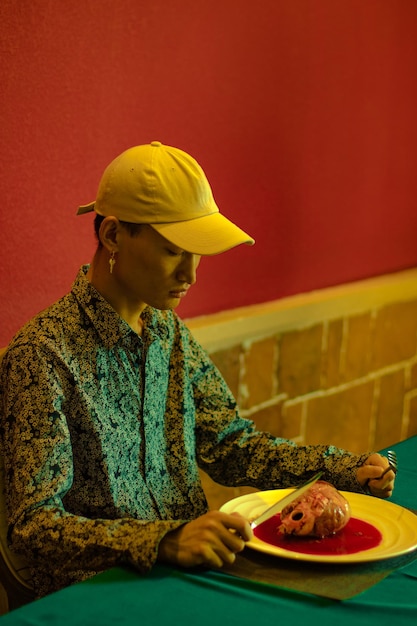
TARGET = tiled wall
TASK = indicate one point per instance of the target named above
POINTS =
(345, 372)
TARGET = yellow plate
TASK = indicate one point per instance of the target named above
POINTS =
(397, 525)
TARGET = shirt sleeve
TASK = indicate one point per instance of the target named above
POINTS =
(234, 453)
(61, 546)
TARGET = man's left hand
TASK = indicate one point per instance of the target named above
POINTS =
(369, 476)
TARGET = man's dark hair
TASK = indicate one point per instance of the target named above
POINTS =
(132, 229)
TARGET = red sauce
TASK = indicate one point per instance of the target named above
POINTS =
(356, 536)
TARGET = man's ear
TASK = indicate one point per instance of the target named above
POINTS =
(109, 233)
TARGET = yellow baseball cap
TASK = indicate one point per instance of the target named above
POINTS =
(166, 188)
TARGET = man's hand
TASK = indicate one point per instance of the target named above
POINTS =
(210, 540)
(369, 473)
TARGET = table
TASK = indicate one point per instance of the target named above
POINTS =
(171, 596)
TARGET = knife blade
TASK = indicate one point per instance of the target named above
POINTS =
(278, 506)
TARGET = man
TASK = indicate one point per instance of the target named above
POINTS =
(109, 405)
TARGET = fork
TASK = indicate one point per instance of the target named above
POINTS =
(393, 463)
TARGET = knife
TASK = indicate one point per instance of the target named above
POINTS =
(278, 506)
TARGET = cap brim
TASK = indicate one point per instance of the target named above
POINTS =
(86, 208)
(208, 235)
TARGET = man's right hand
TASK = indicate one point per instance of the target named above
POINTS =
(210, 540)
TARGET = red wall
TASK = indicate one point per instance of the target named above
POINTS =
(302, 113)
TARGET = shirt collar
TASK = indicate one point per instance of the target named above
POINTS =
(108, 323)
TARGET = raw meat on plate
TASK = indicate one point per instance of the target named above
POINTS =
(319, 512)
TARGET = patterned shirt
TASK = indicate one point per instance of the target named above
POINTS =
(103, 432)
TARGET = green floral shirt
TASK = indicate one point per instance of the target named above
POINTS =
(103, 432)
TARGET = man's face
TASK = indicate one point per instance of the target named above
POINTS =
(152, 271)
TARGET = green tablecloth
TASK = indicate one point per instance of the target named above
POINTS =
(170, 596)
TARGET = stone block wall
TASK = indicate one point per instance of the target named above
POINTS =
(337, 366)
